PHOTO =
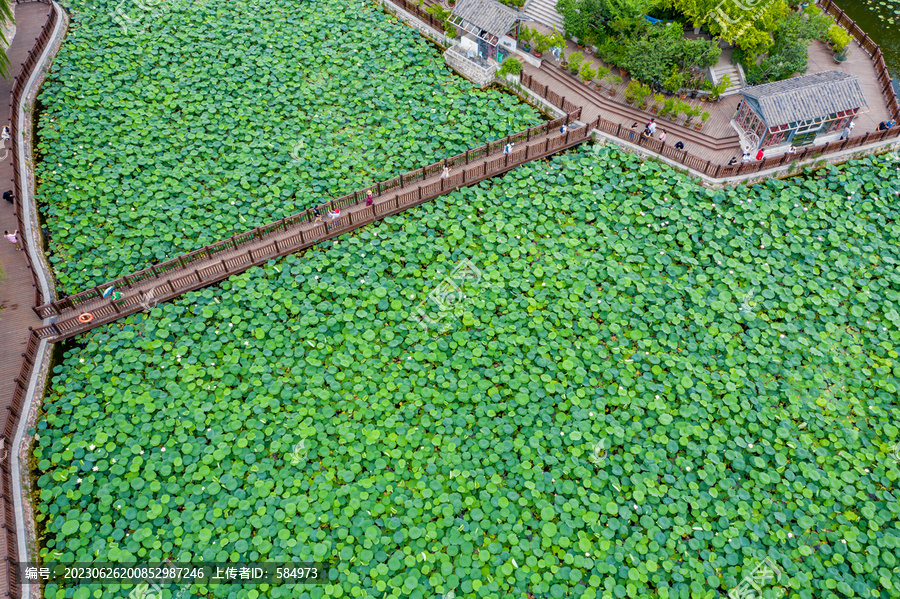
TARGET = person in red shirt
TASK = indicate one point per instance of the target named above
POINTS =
(759, 155)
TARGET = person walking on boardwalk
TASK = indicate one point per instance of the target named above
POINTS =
(846, 133)
(633, 130)
(13, 238)
(370, 199)
(563, 128)
(760, 155)
(508, 148)
(679, 145)
(335, 216)
(662, 136)
(652, 126)
(446, 173)
(733, 161)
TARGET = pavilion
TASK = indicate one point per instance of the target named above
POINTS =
(799, 111)
(484, 24)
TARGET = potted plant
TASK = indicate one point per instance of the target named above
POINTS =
(614, 82)
(525, 37)
(575, 60)
(541, 44)
(586, 73)
(555, 40)
(720, 87)
(704, 116)
(674, 81)
(658, 99)
(840, 42)
(602, 73)
(643, 93)
(689, 113)
(631, 92)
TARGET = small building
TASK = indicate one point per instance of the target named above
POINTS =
(484, 23)
(800, 111)
(483, 43)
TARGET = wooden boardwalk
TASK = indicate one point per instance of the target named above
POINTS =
(17, 295)
(144, 289)
(718, 148)
(16, 290)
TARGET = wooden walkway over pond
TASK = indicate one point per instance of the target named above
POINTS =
(144, 289)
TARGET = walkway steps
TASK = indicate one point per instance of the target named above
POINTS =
(544, 12)
(219, 261)
(733, 74)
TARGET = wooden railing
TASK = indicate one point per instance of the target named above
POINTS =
(708, 167)
(293, 233)
(18, 89)
(872, 49)
(419, 12)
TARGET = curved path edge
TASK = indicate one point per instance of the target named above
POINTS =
(25, 537)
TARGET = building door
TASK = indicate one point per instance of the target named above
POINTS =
(806, 134)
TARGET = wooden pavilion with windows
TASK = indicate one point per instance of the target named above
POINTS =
(486, 21)
(798, 111)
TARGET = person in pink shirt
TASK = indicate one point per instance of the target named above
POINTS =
(13, 238)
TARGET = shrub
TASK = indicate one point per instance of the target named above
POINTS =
(839, 38)
(442, 15)
(586, 72)
(602, 72)
(674, 81)
(632, 91)
(667, 107)
(575, 59)
(509, 66)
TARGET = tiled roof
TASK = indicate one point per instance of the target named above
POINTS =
(491, 16)
(807, 97)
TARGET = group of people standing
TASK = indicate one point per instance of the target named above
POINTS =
(650, 131)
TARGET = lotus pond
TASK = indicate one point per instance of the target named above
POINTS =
(649, 388)
(171, 126)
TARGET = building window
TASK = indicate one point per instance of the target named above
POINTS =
(774, 138)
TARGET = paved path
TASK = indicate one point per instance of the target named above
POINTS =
(17, 289)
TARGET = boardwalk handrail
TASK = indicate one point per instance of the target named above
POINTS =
(708, 167)
(489, 158)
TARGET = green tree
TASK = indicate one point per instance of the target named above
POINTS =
(582, 19)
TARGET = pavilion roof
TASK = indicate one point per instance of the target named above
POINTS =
(807, 97)
(485, 18)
